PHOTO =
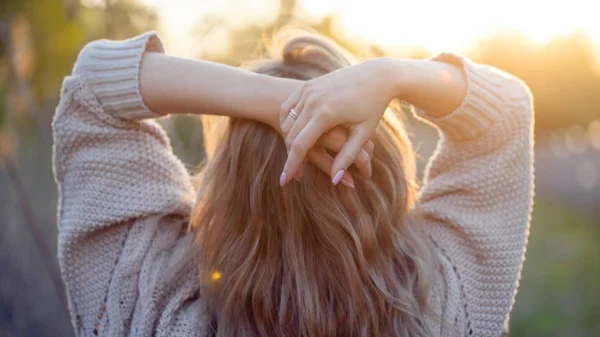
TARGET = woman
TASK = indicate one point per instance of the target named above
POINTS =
(144, 253)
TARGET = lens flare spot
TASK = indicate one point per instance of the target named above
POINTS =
(216, 276)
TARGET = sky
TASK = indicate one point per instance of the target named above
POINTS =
(436, 25)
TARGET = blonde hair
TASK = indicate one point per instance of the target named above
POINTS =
(309, 259)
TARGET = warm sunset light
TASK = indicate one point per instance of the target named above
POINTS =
(393, 25)
(485, 160)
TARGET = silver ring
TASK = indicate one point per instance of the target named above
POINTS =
(293, 114)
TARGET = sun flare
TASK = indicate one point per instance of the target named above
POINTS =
(435, 25)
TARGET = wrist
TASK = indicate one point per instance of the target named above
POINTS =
(435, 87)
(404, 77)
(273, 91)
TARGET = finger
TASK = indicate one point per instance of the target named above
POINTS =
(289, 120)
(297, 175)
(335, 143)
(357, 138)
(369, 147)
(305, 140)
(288, 104)
(335, 139)
(322, 159)
(300, 174)
(297, 125)
(363, 163)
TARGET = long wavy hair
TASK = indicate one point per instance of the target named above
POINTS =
(309, 259)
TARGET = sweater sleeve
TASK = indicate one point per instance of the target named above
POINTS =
(123, 195)
(478, 192)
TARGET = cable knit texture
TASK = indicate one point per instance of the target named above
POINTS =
(123, 196)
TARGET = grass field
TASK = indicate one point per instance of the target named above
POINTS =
(559, 293)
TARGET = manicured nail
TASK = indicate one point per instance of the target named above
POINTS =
(338, 176)
(347, 183)
(282, 179)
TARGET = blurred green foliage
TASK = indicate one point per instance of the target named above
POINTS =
(558, 295)
(40, 39)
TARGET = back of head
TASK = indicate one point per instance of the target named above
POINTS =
(309, 259)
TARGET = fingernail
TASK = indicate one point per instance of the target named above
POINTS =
(282, 179)
(338, 176)
(347, 183)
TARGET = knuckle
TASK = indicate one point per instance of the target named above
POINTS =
(326, 114)
(362, 158)
(309, 104)
(308, 88)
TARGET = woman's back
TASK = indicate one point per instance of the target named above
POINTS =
(309, 259)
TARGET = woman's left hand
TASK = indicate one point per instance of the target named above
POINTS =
(354, 97)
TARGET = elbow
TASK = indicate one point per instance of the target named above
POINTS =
(82, 64)
(518, 94)
(520, 102)
(523, 104)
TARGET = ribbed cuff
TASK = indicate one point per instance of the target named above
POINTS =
(482, 105)
(112, 70)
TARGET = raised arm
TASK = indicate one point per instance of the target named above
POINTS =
(478, 189)
(172, 84)
(123, 195)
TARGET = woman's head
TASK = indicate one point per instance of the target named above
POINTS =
(311, 258)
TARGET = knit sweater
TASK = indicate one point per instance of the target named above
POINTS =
(116, 175)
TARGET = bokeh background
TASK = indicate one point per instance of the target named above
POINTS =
(554, 46)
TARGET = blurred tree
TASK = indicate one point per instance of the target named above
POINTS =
(562, 75)
(39, 42)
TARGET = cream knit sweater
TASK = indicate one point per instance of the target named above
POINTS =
(116, 173)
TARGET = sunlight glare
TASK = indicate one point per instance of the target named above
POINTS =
(436, 25)
(445, 25)
(241, 13)
(396, 25)
(316, 10)
(180, 20)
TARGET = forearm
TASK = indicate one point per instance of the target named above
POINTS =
(177, 85)
(435, 87)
